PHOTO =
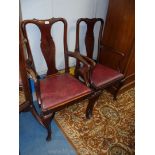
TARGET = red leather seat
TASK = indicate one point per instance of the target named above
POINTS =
(103, 75)
(61, 89)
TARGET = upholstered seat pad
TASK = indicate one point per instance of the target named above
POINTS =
(103, 75)
(60, 89)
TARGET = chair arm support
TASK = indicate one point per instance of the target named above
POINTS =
(32, 74)
(90, 61)
(92, 64)
(84, 71)
(79, 58)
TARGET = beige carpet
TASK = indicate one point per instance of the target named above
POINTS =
(109, 132)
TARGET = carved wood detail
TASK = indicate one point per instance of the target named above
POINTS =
(89, 39)
(48, 47)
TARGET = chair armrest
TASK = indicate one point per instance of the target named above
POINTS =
(85, 71)
(92, 64)
(79, 57)
(90, 61)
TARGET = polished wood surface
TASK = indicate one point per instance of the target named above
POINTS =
(119, 25)
(48, 50)
(47, 44)
(25, 97)
(89, 38)
(97, 79)
(118, 35)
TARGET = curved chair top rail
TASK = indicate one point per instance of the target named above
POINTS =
(47, 44)
(89, 38)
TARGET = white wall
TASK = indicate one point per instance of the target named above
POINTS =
(71, 10)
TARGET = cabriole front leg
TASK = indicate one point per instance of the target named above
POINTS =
(47, 125)
(92, 101)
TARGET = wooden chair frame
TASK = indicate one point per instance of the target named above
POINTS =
(24, 87)
(89, 42)
(44, 26)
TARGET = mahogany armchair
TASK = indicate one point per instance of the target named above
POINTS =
(55, 91)
(101, 76)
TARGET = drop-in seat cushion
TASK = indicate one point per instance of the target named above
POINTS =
(103, 75)
(60, 89)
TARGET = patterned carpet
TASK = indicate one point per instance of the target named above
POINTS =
(110, 131)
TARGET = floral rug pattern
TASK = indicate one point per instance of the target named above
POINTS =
(110, 131)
